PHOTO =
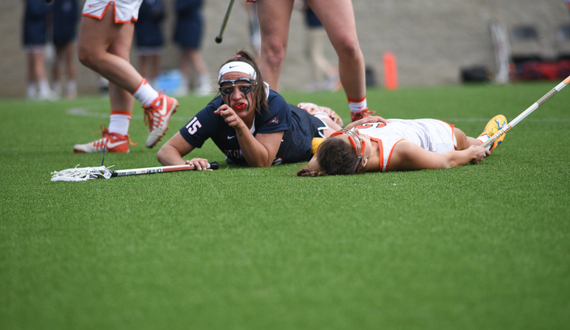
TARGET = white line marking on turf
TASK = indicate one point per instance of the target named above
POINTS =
(86, 113)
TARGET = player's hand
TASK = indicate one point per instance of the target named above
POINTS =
(230, 116)
(478, 153)
(199, 164)
(367, 120)
(372, 119)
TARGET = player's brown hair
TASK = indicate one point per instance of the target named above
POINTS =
(334, 157)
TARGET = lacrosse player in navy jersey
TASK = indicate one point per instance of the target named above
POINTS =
(251, 124)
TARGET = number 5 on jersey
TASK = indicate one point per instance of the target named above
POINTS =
(193, 126)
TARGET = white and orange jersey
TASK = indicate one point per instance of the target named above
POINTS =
(126, 11)
(430, 134)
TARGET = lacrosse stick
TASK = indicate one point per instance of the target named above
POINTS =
(102, 172)
(225, 21)
(527, 112)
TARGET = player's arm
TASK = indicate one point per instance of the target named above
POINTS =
(173, 150)
(259, 150)
(366, 120)
(408, 156)
(313, 164)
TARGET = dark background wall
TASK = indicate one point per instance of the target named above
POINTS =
(432, 39)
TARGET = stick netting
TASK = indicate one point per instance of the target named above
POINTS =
(81, 174)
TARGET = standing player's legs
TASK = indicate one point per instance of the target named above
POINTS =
(120, 97)
(65, 56)
(274, 17)
(95, 38)
(184, 64)
(202, 70)
(154, 67)
(337, 17)
(37, 75)
(322, 69)
(103, 46)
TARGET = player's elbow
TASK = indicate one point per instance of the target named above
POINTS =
(261, 164)
(168, 155)
(160, 156)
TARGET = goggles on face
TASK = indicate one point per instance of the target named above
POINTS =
(358, 148)
(245, 85)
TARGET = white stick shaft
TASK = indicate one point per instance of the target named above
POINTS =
(158, 169)
(527, 112)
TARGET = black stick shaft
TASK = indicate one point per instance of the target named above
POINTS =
(225, 22)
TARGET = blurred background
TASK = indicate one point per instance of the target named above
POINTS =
(434, 42)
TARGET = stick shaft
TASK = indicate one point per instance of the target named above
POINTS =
(527, 112)
(159, 169)
(225, 21)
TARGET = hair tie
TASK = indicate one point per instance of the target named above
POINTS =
(238, 56)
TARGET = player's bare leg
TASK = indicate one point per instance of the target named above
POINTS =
(337, 17)
(464, 141)
(274, 18)
(120, 97)
(94, 42)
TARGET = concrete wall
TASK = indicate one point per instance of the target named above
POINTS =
(432, 39)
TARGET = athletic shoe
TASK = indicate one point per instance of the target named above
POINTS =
(156, 117)
(354, 116)
(314, 109)
(112, 142)
(493, 126)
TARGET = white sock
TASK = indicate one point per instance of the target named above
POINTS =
(120, 121)
(31, 92)
(357, 105)
(57, 88)
(483, 138)
(145, 94)
(43, 87)
(205, 80)
(71, 87)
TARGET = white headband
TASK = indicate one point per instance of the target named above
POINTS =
(237, 66)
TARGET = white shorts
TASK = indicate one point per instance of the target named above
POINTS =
(125, 10)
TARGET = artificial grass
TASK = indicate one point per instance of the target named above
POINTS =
(473, 247)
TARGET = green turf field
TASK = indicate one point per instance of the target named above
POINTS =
(476, 247)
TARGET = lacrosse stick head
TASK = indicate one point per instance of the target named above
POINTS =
(82, 174)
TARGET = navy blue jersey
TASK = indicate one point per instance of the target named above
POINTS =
(311, 19)
(148, 29)
(65, 18)
(35, 23)
(299, 128)
(189, 26)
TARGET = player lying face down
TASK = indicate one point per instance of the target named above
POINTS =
(399, 145)
(251, 124)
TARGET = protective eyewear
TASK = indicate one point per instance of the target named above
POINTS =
(358, 148)
(245, 85)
